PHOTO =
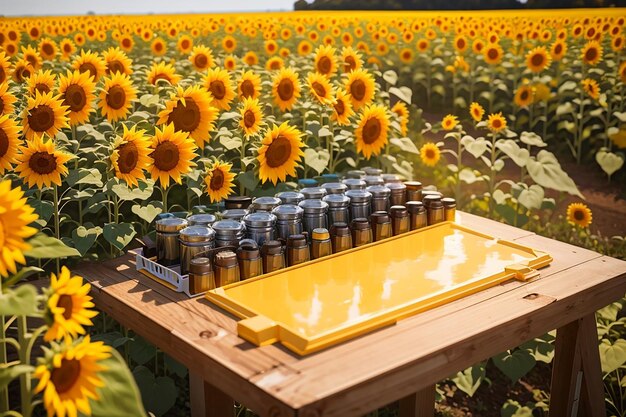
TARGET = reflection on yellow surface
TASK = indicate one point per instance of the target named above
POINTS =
(335, 293)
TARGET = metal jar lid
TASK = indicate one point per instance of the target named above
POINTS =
(359, 196)
(335, 187)
(379, 191)
(200, 265)
(197, 234)
(360, 223)
(226, 259)
(272, 247)
(290, 197)
(427, 195)
(339, 229)
(314, 207)
(373, 180)
(396, 187)
(355, 173)
(391, 178)
(413, 185)
(170, 224)
(355, 184)
(228, 227)
(380, 217)
(449, 202)
(237, 202)
(260, 219)
(265, 203)
(288, 212)
(432, 200)
(234, 214)
(415, 207)
(313, 193)
(337, 201)
(297, 241)
(373, 171)
(398, 211)
(201, 219)
(248, 251)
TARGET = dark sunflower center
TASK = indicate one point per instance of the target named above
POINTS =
(324, 65)
(349, 63)
(492, 53)
(247, 89)
(218, 89)
(116, 98)
(201, 60)
(126, 43)
(66, 375)
(229, 43)
(558, 49)
(1, 105)
(42, 163)
(537, 60)
(591, 54)
(319, 89)
(340, 108)
(42, 88)
(3, 75)
(88, 66)
(161, 76)
(217, 180)
(524, 95)
(278, 152)
(185, 117)
(115, 66)
(275, 65)
(75, 97)
(4, 143)
(371, 131)
(357, 89)
(41, 118)
(47, 49)
(66, 303)
(67, 48)
(285, 89)
(158, 47)
(579, 215)
(249, 119)
(128, 157)
(166, 156)
(430, 153)
(496, 123)
(406, 55)
(460, 43)
(31, 60)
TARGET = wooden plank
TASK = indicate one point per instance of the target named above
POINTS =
(593, 388)
(413, 354)
(490, 227)
(420, 404)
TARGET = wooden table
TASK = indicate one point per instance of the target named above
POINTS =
(400, 362)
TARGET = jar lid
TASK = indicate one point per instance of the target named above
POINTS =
(335, 187)
(296, 241)
(373, 180)
(314, 206)
(380, 217)
(237, 202)
(360, 223)
(413, 185)
(260, 219)
(448, 202)
(372, 171)
(379, 191)
(226, 258)
(272, 247)
(247, 251)
(228, 227)
(355, 184)
(200, 265)
(399, 211)
(396, 187)
(355, 173)
(391, 178)
(171, 224)
(320, 233)
(336, 200)
(415, 207)
(339, 229)
(201, 219)
(426, 193)
(265, 203)
(234, 214)
(197, 234)
(288, 212)
(316, 193)
(359, 196)
(290, 197)
(307, 182)
(429, 199)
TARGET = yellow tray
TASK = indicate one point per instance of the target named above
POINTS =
(320, 303)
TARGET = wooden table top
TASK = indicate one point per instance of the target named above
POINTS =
(378, 368)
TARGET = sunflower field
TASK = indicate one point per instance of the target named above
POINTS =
(108, 121)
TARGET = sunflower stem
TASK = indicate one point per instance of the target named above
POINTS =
(492, 173)
(164, 192)
(4, 393)
(242, 190)
(57, 221)
(25, 378)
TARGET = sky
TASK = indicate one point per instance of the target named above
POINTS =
(80, 7)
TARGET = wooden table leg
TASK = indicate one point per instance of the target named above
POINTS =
(420, 404)
(576, 372)
(208, 401)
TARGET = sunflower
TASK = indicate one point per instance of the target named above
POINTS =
(591, 53)
(249, 85)
(70, 378)
(219, 181)
(172, 155)
(201, 58)
(558, 50)
(15, 217)
(48, 49)
(9, 143)
(492, 53)
(304, 48)
(271, 47)
(320, 88)
(360, 85)
(449, 122)
(68, 307)
(460, 43)
(621, 71)
(42, 81)
(130, 155)
(229, 44)
(591, 87)
(44, 113)
(230, 63)
(524, 95)
(190, 111)
(77, 91)
(406, 55)
(477, 46)
(6, 99)
(537, 59)
(117, 61)
(22, 70)
(250, 58)
(67, 48)
(162, 71)
(617, 43)
(158, 47)
(402, 111)
(90, 62)
(371, 131)
(284, 52)
(325, 61)
(342, 108)
(351, 59)
(477, 112)
(286, 88)
(496, 122)
(578, 214)
(217, 82)
(40, 163)
(117, 96)
(280, 151)
(422, 45)
(126, 42)
(430, 154)
(251, 116)
(31, 55)
(274, 63)
(5, 67)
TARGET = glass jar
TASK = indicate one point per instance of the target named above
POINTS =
(228, 232)
(234, 214)
(398, 193)
(413, 190)
(338, 208)
(360, 203)
(380, 197)
(264, 204)
(260, 226)
(449, 208)
(417, 214)
(167, 248)
(288, 220)
(193, 241)
(373, 180)
(315, 215)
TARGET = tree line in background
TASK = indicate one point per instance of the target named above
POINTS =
(450, 4)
